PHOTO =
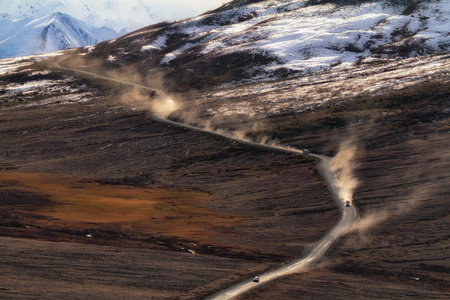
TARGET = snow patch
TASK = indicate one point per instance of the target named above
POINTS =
(157, 44)
(172, 55)
(10, 65)
(17, 88)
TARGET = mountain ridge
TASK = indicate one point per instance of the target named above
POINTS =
(245, 40)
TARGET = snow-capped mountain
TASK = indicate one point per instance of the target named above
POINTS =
(250, 39)
(22, 22)
(54, 32)
(34, 27)
(121, 16)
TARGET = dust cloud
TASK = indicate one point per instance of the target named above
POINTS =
(392, 210)
(343, 165)
(160, 105)
(164, 107)
(140, 96)
(430, 183)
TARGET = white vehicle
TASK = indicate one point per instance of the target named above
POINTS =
(256, 279)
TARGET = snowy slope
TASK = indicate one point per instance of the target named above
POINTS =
(307, 38)
(50, 33)
(298, 36)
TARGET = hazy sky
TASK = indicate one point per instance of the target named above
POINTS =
(191, 8)
(199, 5)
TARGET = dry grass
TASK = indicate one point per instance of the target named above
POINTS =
(76, 201)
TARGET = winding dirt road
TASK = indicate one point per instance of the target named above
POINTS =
(348, 216)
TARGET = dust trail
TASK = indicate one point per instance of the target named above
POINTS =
(343, 165)
(160, 104)
(392, 210)
(431, 181)
(242, 135)
(165, 107)
(423, 192)
(136, 91)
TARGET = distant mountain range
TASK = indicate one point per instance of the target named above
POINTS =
(38, 26)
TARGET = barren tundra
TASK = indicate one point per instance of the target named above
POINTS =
(97, 200)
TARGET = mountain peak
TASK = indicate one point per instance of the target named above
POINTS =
(56, 31)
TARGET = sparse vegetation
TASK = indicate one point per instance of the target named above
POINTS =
(320, 121)
(140, 180)
(213, 71)
(422, 103)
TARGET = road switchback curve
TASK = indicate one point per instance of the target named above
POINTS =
(348, 213)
